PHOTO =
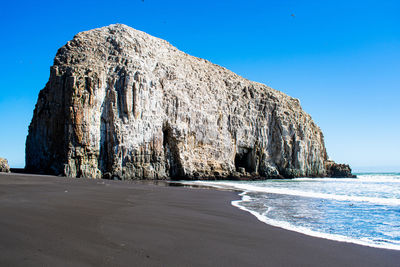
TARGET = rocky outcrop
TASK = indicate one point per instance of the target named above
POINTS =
(4, 167)
(121, 103)
(338, 170)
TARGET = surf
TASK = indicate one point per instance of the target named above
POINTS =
(292, 192)
(363, 210)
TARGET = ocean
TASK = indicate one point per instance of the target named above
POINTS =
(363, 210)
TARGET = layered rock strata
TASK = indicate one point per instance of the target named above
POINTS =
(123, 104)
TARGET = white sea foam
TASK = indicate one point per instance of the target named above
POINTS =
(294, 192)
(381, 178)
(375, 193)
(373, 178)
(386, 244)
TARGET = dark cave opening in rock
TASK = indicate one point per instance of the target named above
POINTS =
(171, 151)
(244, 159)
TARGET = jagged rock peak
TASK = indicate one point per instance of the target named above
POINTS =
(121, 103)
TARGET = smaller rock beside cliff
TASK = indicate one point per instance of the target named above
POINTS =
(335, 170)
(4, 167)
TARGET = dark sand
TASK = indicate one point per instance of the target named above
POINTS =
(53, 221)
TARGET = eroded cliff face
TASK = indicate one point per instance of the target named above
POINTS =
(121, 103)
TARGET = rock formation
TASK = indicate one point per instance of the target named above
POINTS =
(121, 103)
(4, 167)
(338, 170)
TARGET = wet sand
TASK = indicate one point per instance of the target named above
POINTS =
(54, 221)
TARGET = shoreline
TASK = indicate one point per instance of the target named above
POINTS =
(284, 225)
(64, 221)
(312, 233)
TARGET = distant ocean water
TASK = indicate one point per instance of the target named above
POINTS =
(365, 210)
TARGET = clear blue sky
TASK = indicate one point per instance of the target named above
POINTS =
(340, 58)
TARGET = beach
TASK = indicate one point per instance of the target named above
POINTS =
(58, 221)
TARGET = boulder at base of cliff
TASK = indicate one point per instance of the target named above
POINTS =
(4, 167)
(336, 170)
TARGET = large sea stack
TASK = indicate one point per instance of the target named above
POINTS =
(123, 104)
